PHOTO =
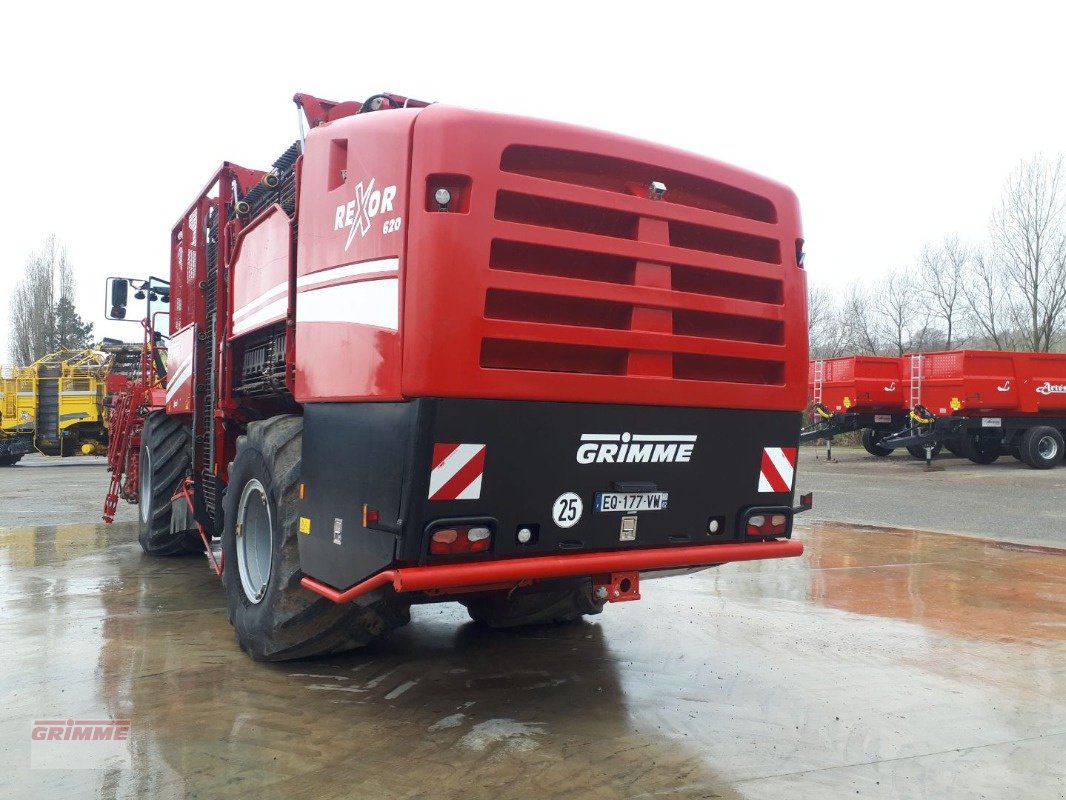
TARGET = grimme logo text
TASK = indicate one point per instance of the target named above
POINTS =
(636, 448)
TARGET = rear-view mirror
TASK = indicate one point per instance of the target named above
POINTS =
(120, 290)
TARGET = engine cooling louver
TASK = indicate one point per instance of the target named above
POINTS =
(689, 287)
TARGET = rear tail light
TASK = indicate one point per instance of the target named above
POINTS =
(460, 539)
(445, 538)
(475, 535)
(767, 524)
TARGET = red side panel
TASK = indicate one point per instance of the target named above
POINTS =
(867, 384)
(976, 382)
(1045, 385)
(261, 272)
(181, 371)
(968, 380)
(353, 217)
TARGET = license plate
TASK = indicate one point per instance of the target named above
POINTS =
(631, 501)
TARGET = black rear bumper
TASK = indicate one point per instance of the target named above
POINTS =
(507, 464)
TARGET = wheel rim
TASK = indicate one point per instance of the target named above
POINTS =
(145, 495)
(255, 538)
(1047, 447)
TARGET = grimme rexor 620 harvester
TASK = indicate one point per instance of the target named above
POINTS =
(436, 354)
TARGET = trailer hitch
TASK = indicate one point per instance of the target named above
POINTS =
(922, 432)
(926, 431)
(827, 424)
(824, 424)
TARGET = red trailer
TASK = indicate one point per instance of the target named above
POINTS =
(857, 393)
(981, 383)
(977, 403)
(436, 354)
(861, 384)
(985, 403)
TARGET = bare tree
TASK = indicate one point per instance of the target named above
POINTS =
(48, 278)
(823, 324)
(1029, 247)
(941, 276)
(902, 315)
(859, 323)
(985, 296)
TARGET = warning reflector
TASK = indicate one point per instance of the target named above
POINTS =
(456, 471)
(778, 469)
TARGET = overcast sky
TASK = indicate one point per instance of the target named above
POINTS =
(896, 124)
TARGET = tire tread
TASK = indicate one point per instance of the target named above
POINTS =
(169, 441)
(290, 622)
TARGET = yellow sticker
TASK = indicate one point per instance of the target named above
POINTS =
(847, 402)
(956, 404)
(305, 525)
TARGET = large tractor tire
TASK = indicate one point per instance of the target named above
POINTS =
(981, 449)
(543, 604)
(166, 454)
(869, 443)
(275, 618)
(918, 452)
(1041, 447)
(9, 461)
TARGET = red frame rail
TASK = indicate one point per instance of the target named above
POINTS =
(513, 570)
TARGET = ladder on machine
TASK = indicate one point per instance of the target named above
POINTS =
(916, 380)
(818, 409)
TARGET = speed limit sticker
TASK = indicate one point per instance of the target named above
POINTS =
(567, 510)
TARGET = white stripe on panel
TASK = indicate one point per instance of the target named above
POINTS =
(349, 271)
(471, 492)
(175, 381)
(281, 288)
(374, 302)
(781, 462)
(265, 314)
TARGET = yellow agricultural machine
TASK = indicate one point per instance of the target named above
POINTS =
(56, 406)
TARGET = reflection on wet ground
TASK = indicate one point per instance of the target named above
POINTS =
(885, 664)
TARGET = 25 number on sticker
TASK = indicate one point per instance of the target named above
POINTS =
(567, 510)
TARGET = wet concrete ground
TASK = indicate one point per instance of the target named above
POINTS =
(45, 490)
(1006, 500)
(880, 665)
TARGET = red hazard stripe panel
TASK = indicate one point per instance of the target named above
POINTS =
(457, 471)
(778, 469)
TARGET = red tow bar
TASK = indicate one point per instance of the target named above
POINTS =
(514, 570)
